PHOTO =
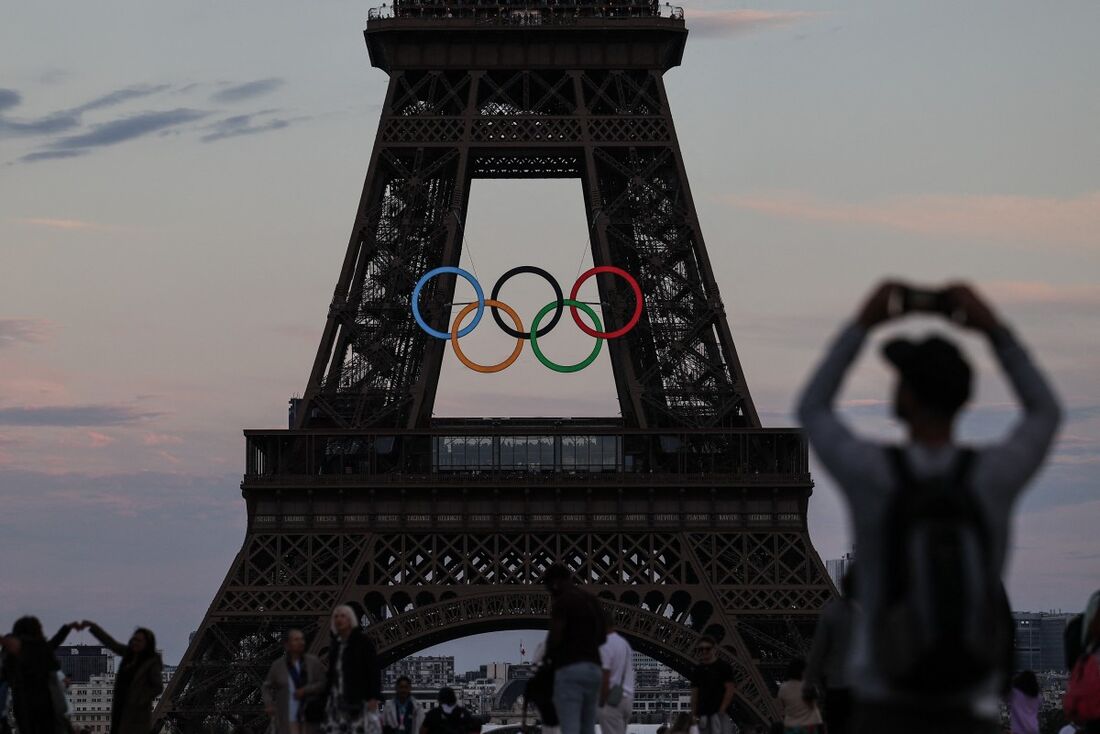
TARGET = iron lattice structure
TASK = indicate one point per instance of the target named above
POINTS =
(683, 514)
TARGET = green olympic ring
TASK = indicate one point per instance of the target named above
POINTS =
(535, 338)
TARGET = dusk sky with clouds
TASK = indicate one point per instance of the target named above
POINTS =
(178, 181)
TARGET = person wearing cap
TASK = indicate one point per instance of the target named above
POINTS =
(934, 382)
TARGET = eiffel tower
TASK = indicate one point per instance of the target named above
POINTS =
(683, 514)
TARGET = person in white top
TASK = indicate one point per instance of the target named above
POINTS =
(800, 714)
(617, 690)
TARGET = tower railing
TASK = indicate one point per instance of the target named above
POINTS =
(547, 12)
(528, 453)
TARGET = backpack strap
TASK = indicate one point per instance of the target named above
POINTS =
(960, 470)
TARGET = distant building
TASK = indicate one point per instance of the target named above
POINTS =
(497, 671)
(90, 701)
(650, 673)
(422, 670)
(647, 671)
(837, 567)
(660, 705)
(520, 671)
(80, 662)
(1038, 643)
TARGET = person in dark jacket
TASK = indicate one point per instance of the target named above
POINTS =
(354, 678)
(138, 682)
(449, 717)
(577, 629)
(32, 674)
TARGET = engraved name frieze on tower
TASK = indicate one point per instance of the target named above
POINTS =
(683, 513)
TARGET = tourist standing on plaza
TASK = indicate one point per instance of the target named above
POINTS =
(825, 667)
(32, 674)
(939, 671)
(577, 629)
(448, 717)
(292, 689)
(712, 689)
(617, 690)
(1023, 704)
(354, 678)
(798, 710)
(138, 681)
(403, 714)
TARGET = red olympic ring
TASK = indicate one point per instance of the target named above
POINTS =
(637, 302)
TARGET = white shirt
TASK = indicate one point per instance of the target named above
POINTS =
(617, 658)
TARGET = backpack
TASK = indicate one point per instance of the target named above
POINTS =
(943, 628)
(1082, 700)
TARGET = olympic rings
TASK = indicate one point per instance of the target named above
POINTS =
(558, 299)
(566, 367)
(637, 302)
(485, 369)
(439, 271)
(557, 305)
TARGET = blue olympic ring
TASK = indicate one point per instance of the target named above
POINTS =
(439, 271)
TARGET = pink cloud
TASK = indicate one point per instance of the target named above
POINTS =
(24, 330)
(161, 439)
(1041, 293)
(1041, 221)
(97, 440)
(717, 23)
(66, 224)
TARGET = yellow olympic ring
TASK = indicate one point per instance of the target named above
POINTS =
(486, 369)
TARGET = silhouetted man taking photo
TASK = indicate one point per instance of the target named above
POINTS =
(930, 518)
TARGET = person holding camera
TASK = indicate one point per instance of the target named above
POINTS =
(930, 518)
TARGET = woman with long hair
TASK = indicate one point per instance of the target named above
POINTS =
(354, 678)
(32, 673)
(138, 682)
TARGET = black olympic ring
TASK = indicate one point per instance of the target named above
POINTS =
(559, 298)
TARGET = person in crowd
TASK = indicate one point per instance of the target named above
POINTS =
(798, 709)
(1076, 636)
(449, 717)
(617, 689)
(403, 714)
(712, 689)
(293, 688)
(888, 491)
(1081, 702)
(138, 681)
(663, 728)
(32, 675)
(577, 629)
(825, 667)
(354, 677)
(1023, 704)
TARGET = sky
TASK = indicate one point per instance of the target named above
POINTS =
(178, 181)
